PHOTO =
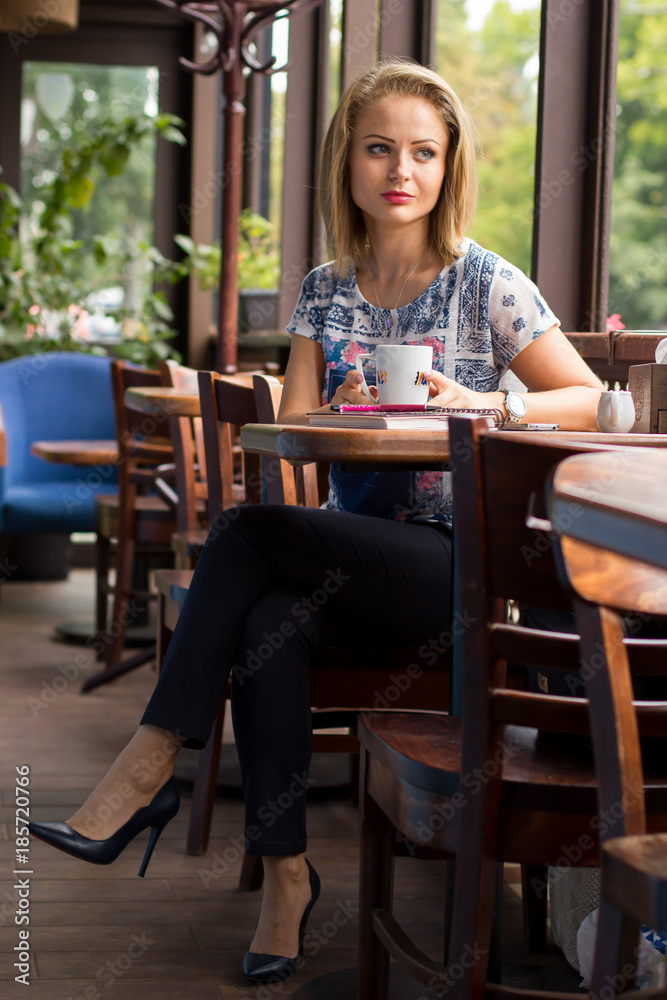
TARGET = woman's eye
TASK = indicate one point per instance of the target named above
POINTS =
(426, 153)
(378, 147)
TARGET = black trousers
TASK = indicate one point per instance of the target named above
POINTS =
(273, 584)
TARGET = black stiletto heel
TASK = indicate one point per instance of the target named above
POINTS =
(266, 968)
(148, 853)
(155, 815)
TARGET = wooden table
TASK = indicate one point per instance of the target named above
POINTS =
(78, 453)
(300, 443)
(161, 401)
(617, 501)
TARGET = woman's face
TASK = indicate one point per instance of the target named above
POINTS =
(397, 160)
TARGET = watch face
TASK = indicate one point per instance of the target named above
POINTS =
(516, 404)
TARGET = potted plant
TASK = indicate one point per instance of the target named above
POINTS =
(258, 270)
(46, 302)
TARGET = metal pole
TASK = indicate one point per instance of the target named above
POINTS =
(234, 23)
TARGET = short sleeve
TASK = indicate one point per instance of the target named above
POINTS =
(517, 312)
(310, 313)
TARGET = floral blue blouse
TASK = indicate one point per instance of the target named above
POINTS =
(477, 315)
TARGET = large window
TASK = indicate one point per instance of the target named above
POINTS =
(488, 52)
(638, 252)
(63, 105)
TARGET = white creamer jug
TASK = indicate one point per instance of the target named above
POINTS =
(616, 412)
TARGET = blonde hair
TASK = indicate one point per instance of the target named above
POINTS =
(345, 229)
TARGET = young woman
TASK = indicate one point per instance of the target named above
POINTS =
(398, 192)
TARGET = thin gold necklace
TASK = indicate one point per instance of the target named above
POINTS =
(387, 321)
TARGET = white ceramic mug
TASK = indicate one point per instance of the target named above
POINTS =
(400, 373)
(616, 412)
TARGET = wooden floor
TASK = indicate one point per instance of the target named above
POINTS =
(178, 934)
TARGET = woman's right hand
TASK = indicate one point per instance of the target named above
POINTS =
(350, 390)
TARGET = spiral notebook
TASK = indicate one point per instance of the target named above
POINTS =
(386, 417)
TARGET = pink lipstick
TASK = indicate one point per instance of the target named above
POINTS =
(397, 197)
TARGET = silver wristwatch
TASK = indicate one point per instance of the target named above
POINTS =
(515, 406)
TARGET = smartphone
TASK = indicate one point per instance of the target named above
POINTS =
(530, 427)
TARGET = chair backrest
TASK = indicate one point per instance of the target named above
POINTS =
(227, 402)
(604, 584)
(54, 396)
(129, 421)
(189, 458)
(144, 439)
(504, 552)
(284, 483)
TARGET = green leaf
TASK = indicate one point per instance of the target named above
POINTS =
(99, 252)
(79, 191)
(172, 134)
(161, 307)
(186, 243)
(114, 157)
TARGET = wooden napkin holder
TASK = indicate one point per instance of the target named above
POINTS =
(648, 385)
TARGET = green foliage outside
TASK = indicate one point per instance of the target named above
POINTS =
(47, 277)
(493, 69)
(258, 255)
(76, 249)
(638, 254)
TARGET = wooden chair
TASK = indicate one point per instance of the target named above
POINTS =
(226, 402)
(134, 524)
(633, 863)
(338, 681)
(188, 491)
(497, 785)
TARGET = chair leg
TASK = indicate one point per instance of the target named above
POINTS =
(252, 873)
(617, 944)
(118, 669)
(120, 615)
(376, 878)
(534, 897)
(354, 778)
(205, 786)
(102, 564)
(164, 634)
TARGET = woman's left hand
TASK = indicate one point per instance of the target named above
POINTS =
(445, 391)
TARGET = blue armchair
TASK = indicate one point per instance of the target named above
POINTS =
(53, 396)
